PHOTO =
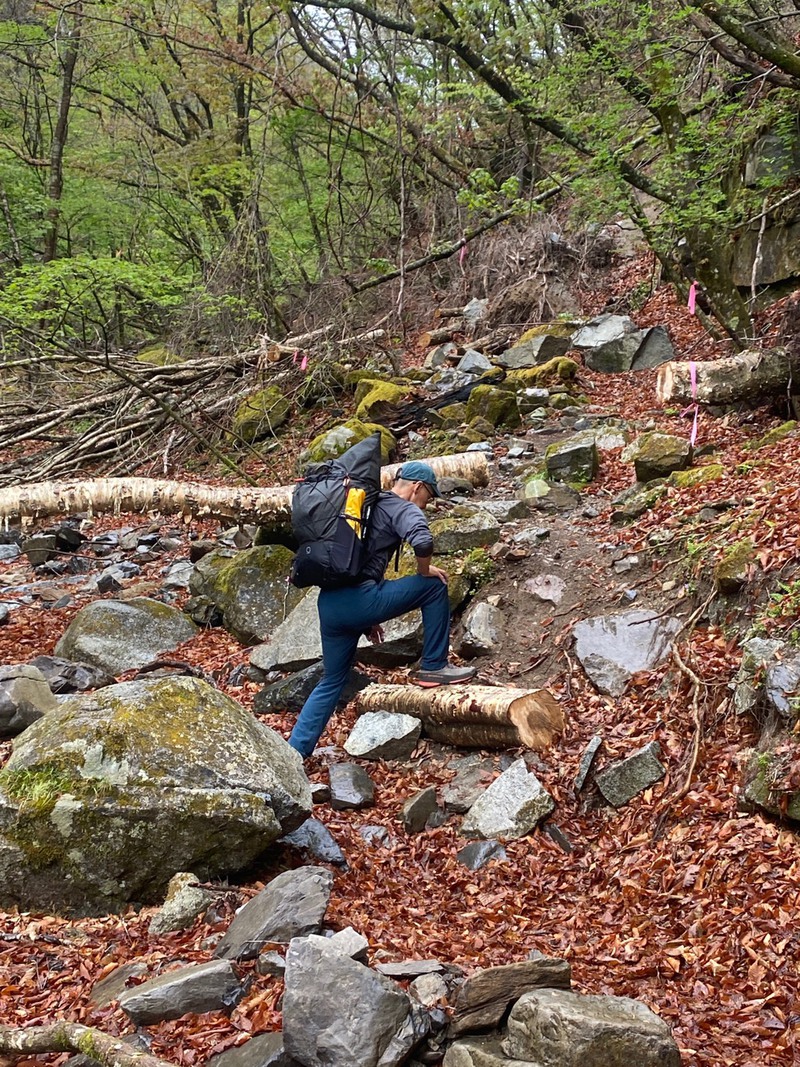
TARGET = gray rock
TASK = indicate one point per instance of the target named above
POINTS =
(315, 838)
(40, 548)
(447, 379)
(481, 446)
(271, 963)
(781, 689)
(533, 535)
(635, 501)
(339, 1013)
(25, 697)
(184, 902)
(117, 635)
(418, 809)
(291, 905)
(295, 643)
(622, 780)
(377, 836)
(347, 942)
(506, 510)
(612, 648)
(510, 808)
(609, 343)
(178, 575)
(546, 587)
(9, 553)
(462, 532)
(429, 990)
(557, 1028)
(475, 311)
(757, 654)
(263, 1050)
(460, 794)
(249, 588)
(587, 759)
(5, 611)
(114, 984)
(484, 998)
(473, 362)
(655, 349)
(351, 787)
(383, 735)
(410, 969)
(574, 460)
(441, 355)
(534, 352)
(478, 853)
(155, 776)
(484, 630)
(290, 694)
(65, 676)
(201, 987)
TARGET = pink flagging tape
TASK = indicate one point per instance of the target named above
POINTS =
(695, 407)
(692, 302)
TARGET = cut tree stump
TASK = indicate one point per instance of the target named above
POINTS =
(746, 376)
(473, 716)
(270, 508)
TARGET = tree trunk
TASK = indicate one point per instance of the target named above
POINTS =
(477, 716)
(71, 38)
(72, 1037)
(744, 377)
(267, 507)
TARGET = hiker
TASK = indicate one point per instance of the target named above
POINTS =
(345, 614)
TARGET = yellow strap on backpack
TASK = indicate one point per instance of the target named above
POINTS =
(354, 509)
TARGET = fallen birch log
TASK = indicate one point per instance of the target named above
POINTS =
(98, 1046)
(743, 377)
(476, 716)
(266, 507)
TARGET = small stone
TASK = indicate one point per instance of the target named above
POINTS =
(587, 759)
(621, 781)
(271, 963)
(315, 838)
(320, 792)
(429, 990)
(546, 587)
(377, 836)
(478, 853)
(351, 787)
(383, 735)
(417, 810)
(107, 583)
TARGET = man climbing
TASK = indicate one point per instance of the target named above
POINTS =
(346, 614)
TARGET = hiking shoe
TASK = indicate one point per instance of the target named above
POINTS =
(448, 675)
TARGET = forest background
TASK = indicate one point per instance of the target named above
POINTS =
(215, 170)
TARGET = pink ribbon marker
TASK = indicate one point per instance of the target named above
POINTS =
(692, 302)
(462, 255)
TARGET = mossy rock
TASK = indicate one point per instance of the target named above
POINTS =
(336, 440)
(454, 414)
(472, 435)
(574, 461)
(437, 443)
(657, 455)
(732, 571)
(712, 472)
(365, 387)
(159, 356)
(118, 636)
(353, 378)
(109, 795)
(776, 434)
(249, 588)
(560, 369)
(462, 530)
(560, 401)
(260, 414)
(635, 501)
(497, 406)
(493, 375)
(765, 777)
(381, 401)
(564, 330)
(482, 426)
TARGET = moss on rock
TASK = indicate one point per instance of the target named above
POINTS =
(776, 434)
(260, 414)
(497, 406)
(560, 369)
(564, 330)
(379, 402)
(336, 440)
(733, 568)
(712, 472)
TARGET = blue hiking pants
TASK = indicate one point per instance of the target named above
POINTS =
(346, 614)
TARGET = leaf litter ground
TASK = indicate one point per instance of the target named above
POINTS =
(686, 903)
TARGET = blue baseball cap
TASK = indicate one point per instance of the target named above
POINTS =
(416, 471)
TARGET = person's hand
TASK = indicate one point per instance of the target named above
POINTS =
(375, 635)
(437, 572)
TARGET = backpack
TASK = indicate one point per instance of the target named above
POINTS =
(331, 505)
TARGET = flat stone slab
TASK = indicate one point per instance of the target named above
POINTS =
(612, 648)
(621, 781)
(314, 837)
(202, 987)
(292, 905)
(483, 999)
(351, 787)
(478, 853)
(263, 1050)
(410, 968)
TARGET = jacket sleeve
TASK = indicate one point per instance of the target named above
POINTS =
(411, 525)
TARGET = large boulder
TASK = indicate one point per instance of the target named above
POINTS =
(574, 460)
(260, 414)
(612, 648)
(109, 795)
(118, 636)
(249, 588)
(333, 442)
(609, 343)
